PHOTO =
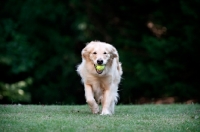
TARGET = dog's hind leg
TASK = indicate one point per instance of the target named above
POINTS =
(113, 102)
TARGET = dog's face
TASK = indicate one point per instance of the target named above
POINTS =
(99, 54)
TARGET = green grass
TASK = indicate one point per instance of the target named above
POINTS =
(138, 118)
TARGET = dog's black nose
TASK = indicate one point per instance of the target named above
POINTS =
(99, 61)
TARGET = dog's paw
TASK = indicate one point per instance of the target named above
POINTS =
(95, 110)
(106, 112)
(93, 106)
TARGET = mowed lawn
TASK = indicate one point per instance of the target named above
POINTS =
(77, 118)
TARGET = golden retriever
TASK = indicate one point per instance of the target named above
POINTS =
(101, 86)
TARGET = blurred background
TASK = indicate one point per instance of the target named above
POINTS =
(41, 41)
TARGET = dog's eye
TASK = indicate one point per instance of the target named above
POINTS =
(94, 52)
(104, 53)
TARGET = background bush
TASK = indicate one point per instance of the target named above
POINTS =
(40, 45)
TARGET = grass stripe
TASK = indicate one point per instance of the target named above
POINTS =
(77, 118)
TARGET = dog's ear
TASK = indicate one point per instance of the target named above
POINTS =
(114, 53)
(85, 53)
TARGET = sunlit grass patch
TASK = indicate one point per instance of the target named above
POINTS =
(144, 118)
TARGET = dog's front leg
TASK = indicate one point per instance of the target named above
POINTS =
(110, 97)
(89, 95)
(106, 102)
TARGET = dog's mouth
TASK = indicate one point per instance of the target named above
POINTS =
(99, 68)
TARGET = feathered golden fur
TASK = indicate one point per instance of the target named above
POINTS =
(100, 87)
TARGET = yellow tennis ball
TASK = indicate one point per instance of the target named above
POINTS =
(100, 67)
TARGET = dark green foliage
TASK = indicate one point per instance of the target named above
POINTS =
(41, 41)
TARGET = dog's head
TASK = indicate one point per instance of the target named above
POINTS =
(99, 53)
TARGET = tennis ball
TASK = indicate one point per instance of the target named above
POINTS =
(100, 67)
